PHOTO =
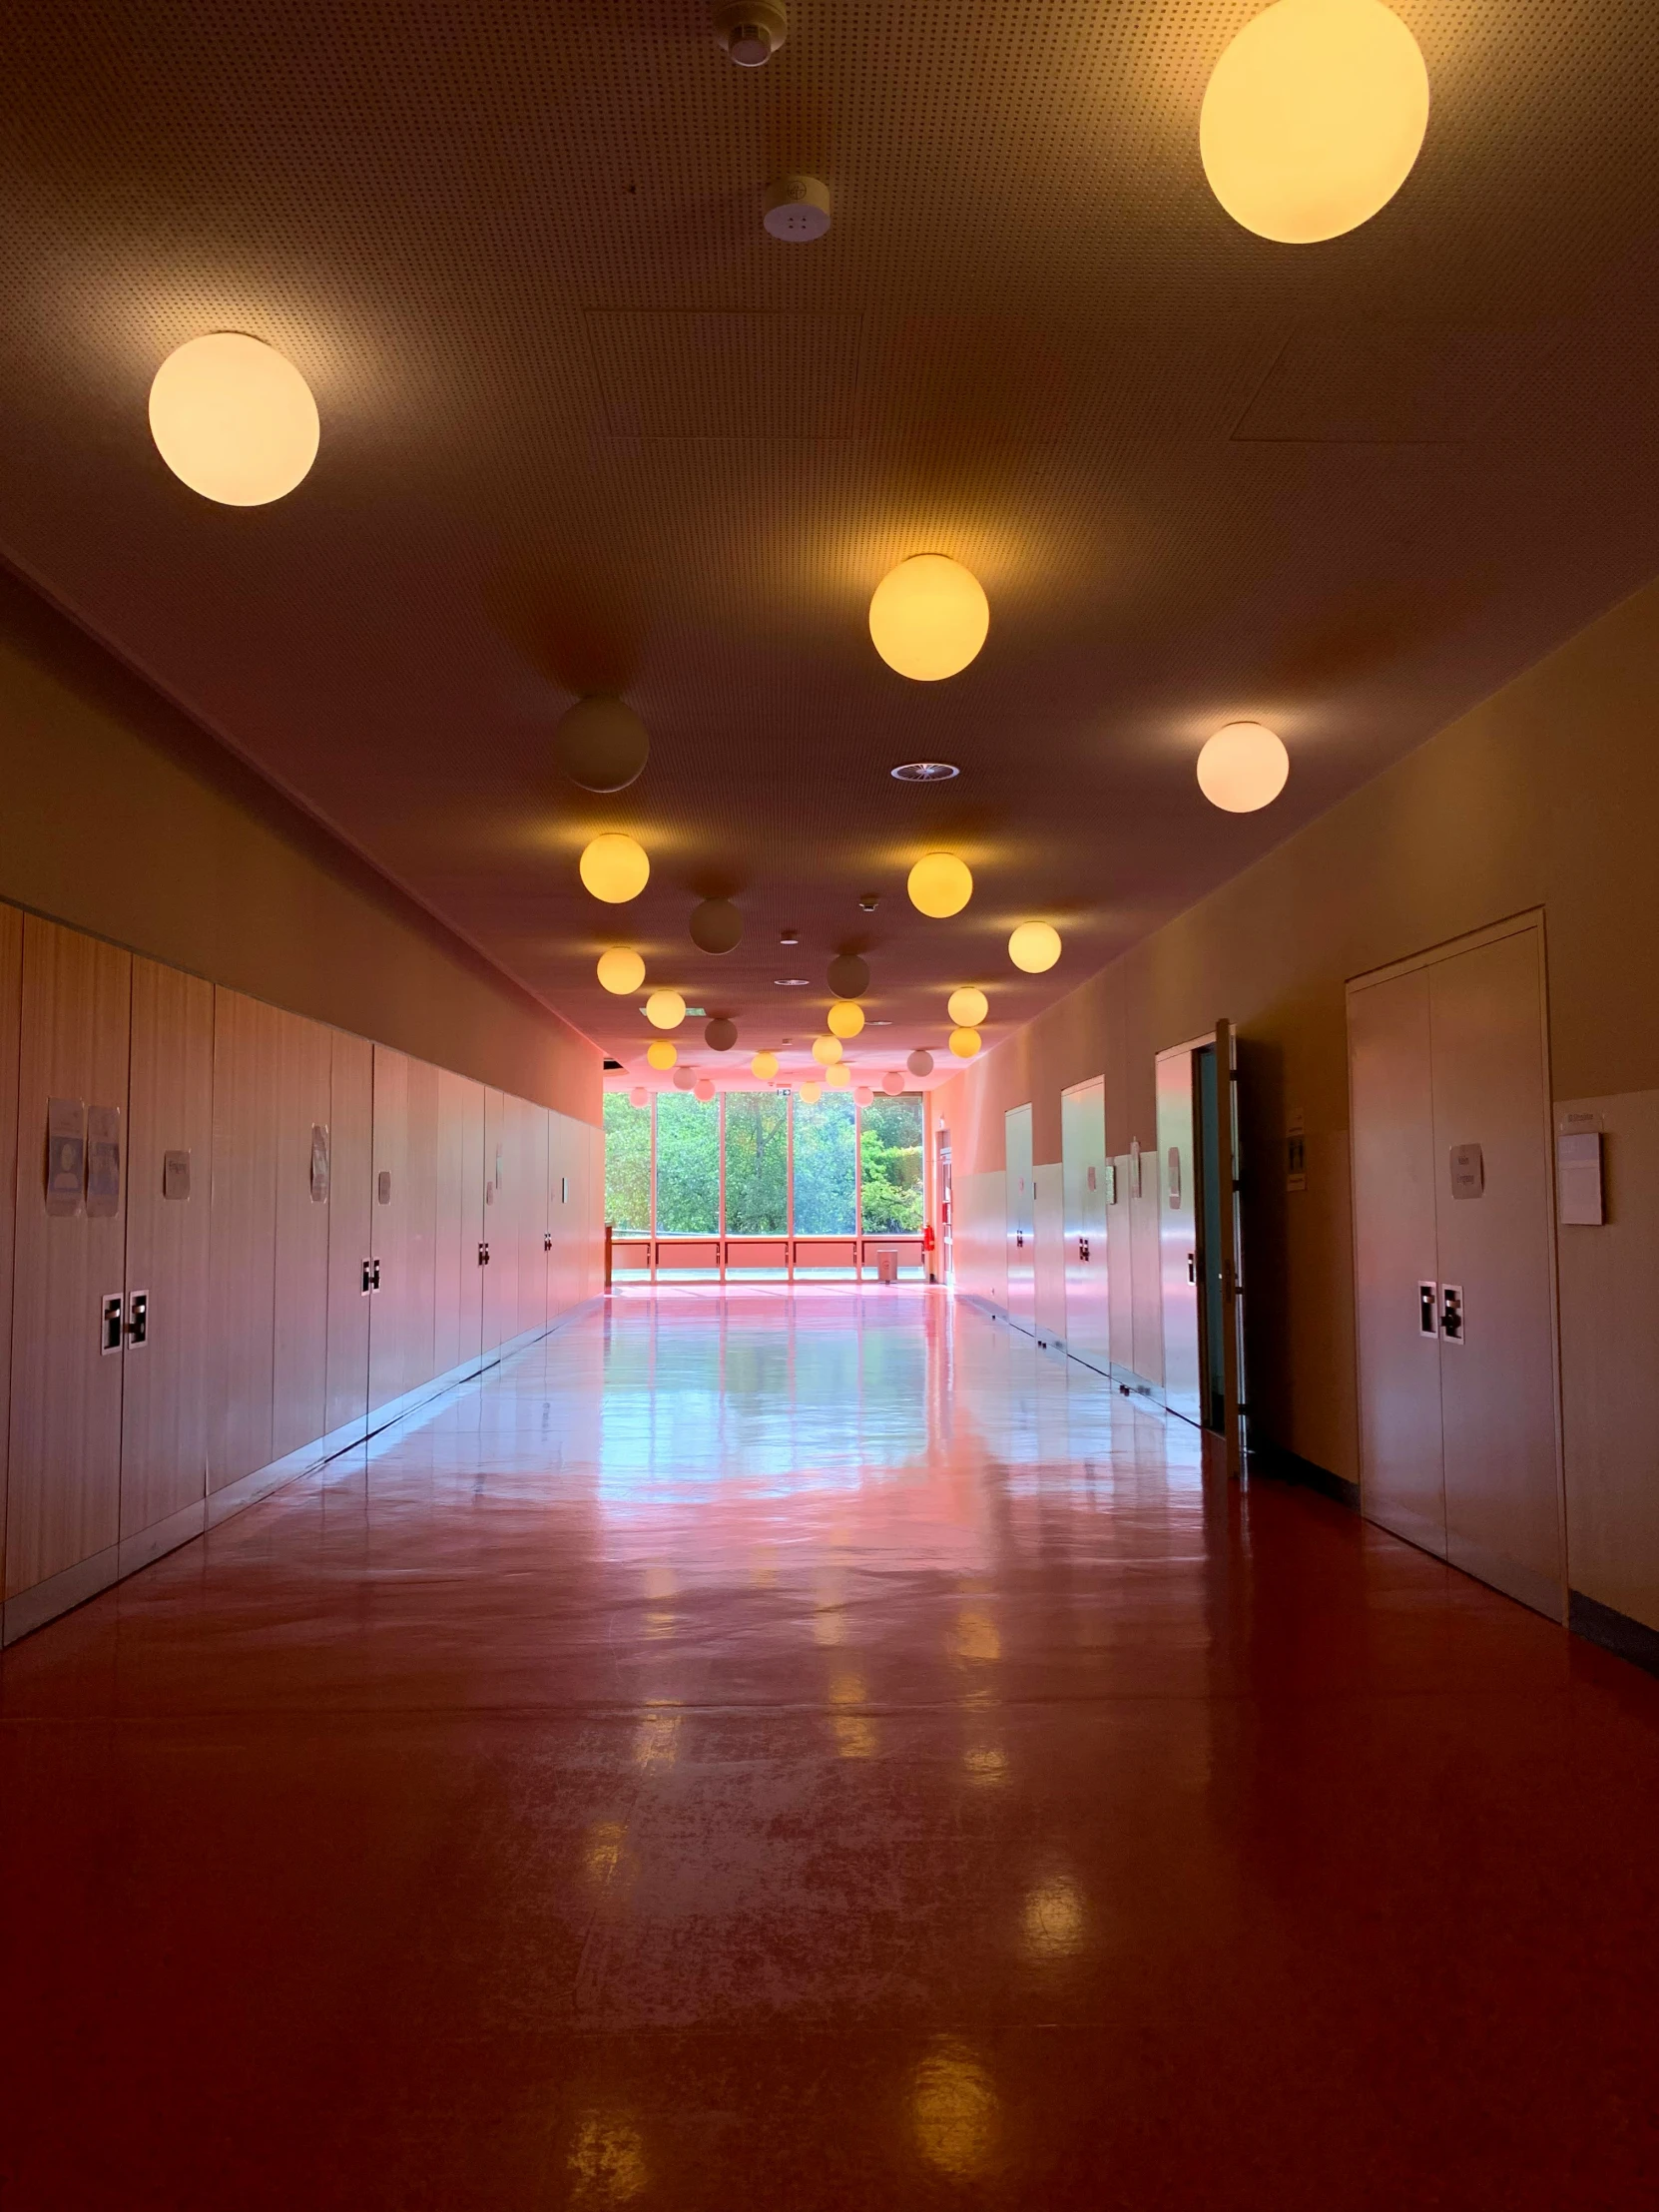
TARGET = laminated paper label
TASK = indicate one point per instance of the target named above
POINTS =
(103, 1162)
(66, 1154)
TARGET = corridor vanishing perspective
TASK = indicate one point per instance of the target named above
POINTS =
(813, 1747)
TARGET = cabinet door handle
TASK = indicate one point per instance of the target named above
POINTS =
(368, 1276)
(137, 1318)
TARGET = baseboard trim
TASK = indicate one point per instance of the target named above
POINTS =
(163, 1535)
(59, 1594)
(1283, 1465)
(1613, 1631)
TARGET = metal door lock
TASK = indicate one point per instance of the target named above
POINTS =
(368, 1276)
(114, 1309)
(137, 1318)
(1427, 1322)
(1082, 1248)
(374, 1277)
(1192, 1267)
(547, 1241)
(1019, 1240)
(1451, 1313)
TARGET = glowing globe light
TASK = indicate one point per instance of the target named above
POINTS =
(1243, 767)
(928, 617)
(661, 1054)
(233, 419)
(939, 885)
(614, 867)
(1034, 946)
(764, 1067)
(893, 1083)
(968, 1007)
(638, 1095)
(811, 1093)
(839, 1076)
(847, 1017)
(920, 1062)
(620, 972)
(827, 1051)
(1312, 117)
(964, 1043)
(664, 1010)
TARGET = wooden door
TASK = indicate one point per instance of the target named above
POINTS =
(1021, 1219)
(305, 1179)
(389, 1231)
(1177, 1230)
(165, 1395)
(351, 1208)
(1120, 1265)
(459, 1278)
(532, 1216)
(246, 1058)
(63, 1506)
(11, 1015)
(501, 1274)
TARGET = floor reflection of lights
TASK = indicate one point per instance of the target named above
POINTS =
(955, 2112)
(607, 2161)
(854, 1732)
(1051, 1924)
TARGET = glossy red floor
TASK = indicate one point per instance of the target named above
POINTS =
(819, 1751)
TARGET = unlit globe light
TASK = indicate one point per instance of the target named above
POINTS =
(811, 1093)
(664, 1010)
(968, 1007)
(964, 1043)
(827, 1051)
(620, 972)
(602, 744)
(721, 1034)
(683, 1078)
(847, 1017)
(920, 1062)
(614, 867)
(705, 1088)
(764, 1067)
(233, 419)
(1034, 946)
(1243, 767)
(839, 1076)
(847, 975)
(638, 1095)
(661, 1054)
(716, 925)
(865, 1095)
(928, 617)
(939, 885)
(893, 1082)
(1312, 117)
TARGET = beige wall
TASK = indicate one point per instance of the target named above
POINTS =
(1546, 794)
(123, 819)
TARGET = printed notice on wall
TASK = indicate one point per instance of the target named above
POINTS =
(66, 1154)
(103, 1162)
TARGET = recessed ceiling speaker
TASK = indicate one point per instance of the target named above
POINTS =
(797, 208)
(750, 32)
(716, 925)
(848, 976)
(602, 744)
(721, 1034)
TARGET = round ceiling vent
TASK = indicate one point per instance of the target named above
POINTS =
(797, 208)
(751, 31)
(925, 772)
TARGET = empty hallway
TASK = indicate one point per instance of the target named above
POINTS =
(812, 1749)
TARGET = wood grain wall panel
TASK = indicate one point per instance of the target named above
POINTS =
(350, 1226)
(561, 1197)
(11, 1018)
(458, 1325)
(304, 1078)
(419, 1294)
(532, 1215)
(246, 1061)
(165, 1386)
(389, 1234)
(64, 1492)
(501, 1276)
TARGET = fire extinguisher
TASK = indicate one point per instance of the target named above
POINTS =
(927, 1243)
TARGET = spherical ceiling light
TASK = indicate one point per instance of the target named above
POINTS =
(1034, 946)
(1312, 117)
(847, 975)
(721, 1034)
(664, 1010)
(233, 419)
(968, 1007)
(764, 1067)
(839, 1076)
(601, 744)
(620, 972)
(893, 1082)
(716, 925)
(940, 885)
(847, 1017)
(920, 1062)
(705, 1088)
(638, 1095)
(964, 1043)
(928, 617)
(827, 1051)
(661, 1054)
(811, 1093)
(1243, 767)
(683, 1078)
(614, 867)
(865, 1095)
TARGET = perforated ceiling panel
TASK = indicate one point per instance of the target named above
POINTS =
(585, 425)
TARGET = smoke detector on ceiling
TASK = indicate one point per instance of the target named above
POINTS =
(751, 31)
(797, 208)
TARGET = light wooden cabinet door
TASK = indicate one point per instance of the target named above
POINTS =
(389, 1227)
(417, 1304)
(532, 1215)
(165, 1398)
(64, 1488)
(246, 1062)
(10, 1014)
(459, 1335)
(304, 1177)
(500, 1234)
(350, 1207)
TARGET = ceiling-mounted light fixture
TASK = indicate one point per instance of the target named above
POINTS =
(620, 972)
(721, 1034)
(924, 772)
(846, 1017)
(664, 1010)
(964, 1043)
(614, 867)
(827, 1051)
(750, 32)
(1243, 767)
(893, 1083)
(847, 975)
(638, 1095)
(661, 1054)
(839, 1076)
(968, 1007)
(714, 925)
(928, 617)
(234, 419)
(865, 1095)
(601, 744)
(920, 1062)
(1034, 946)
(683, 1078)
(811, 1093)
(764, 1067)
(705, 1088)
(940, 885)
(1312, 117)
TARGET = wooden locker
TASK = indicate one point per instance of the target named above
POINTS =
(389, 1227)
(63, 1506)
(305, 1176)
(165, 1397)
(11, 1015)
(532, 1217)
(247, 1057)
(501, 1274)
(566, 1199)
(458, 1332)
(350, 1207)
(418, 1295)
